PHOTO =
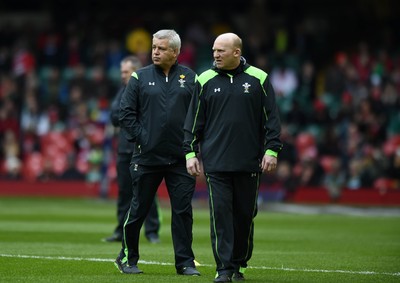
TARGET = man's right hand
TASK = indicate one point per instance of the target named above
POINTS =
(193, 166)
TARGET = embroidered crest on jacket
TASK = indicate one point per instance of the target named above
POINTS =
(182, 80)
(246, 87)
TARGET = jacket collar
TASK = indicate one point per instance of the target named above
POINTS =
(240, 69)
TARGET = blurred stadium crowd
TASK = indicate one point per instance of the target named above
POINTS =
(339, 103)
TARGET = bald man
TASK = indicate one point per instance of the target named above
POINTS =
(233, 118)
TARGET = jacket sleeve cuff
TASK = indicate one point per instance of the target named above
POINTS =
(190, 155)
(271, 153)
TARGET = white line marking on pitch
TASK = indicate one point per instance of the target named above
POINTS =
(208, 265)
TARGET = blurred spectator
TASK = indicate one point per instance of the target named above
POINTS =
(52, 87)
(288, 140)
(115, 53)
(354, 178)
(47, 173)
(306, 90)
(297, 115)
(95, 158)
(33, 119)
(390, 99)
(5, 59)
(99, 95)
(363, 61)
(73, 54)
(71, 172)
(308, 171)
(329, 143)
(9, 119)
(284, 80)
(24, 60)
(283, 180)
(49, 48)
(78, 78)
(393, 171)
(10, 151)
(187, 56)
(335, 78)
(334, 178)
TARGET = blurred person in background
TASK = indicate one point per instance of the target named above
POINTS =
(71, 172)
(393, 170)
(10, 151)
(152, 113)
(235, 149)
(334, 178)
(128, 65)
(34, 119)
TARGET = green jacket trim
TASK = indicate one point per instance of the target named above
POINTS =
(271, 153)
(258, 73)
(190, 155)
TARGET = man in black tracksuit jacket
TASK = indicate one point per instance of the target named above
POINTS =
(125, 149)
(152, 112)
(233, 122)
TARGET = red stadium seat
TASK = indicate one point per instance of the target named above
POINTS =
(59, 162)
(327, 162)
(384, 184)
(82, 165)
(33, 166)
(57, 141)
(391, 145)
(304, 141)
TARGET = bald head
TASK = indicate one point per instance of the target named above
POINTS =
(230, 38)
(227, 51)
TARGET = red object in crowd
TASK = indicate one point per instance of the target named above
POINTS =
(391, 145)
(23, 63)
(33, 166)
(305, 145)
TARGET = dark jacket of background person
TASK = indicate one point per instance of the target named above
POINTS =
(125, 150)
(124, 146)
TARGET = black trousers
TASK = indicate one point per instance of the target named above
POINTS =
(233, 207)
(180, 186)
(152, 223)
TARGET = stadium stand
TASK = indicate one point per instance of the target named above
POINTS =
(338, 91)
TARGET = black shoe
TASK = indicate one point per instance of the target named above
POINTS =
(153, 238)
(238, 276)
(190, 271)
(113, 238)
(223, 278)
(125, 268)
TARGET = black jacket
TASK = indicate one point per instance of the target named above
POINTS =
(152, 113)
(233, 117)
(124, 146)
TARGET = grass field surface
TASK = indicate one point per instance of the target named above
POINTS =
(59, 240)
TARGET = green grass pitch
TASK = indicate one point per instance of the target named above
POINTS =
(59, 240)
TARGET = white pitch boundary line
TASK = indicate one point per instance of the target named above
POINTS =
(209, 265)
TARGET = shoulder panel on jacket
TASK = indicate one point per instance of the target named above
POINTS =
(135, 75)
(258, 73)
(206, 76)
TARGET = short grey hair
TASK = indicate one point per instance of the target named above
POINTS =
(173, 38)
(135, 61)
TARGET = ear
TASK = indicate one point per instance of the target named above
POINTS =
(237, 52)
(176, 53)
